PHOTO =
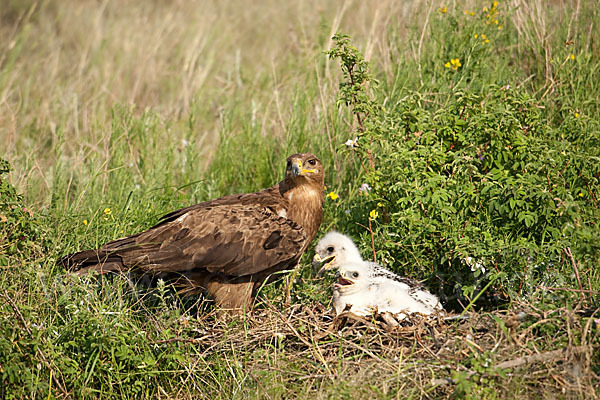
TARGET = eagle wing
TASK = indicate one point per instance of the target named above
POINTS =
(233, 239)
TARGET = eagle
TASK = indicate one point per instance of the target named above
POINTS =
(226, 247)
(366, 287)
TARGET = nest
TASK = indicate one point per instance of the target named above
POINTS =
(434, 352)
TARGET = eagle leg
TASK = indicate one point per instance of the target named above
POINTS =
(232, 297)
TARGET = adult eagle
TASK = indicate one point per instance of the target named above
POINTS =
(227, 246)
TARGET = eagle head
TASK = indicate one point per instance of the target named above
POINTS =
(333, 250)
(304, 167)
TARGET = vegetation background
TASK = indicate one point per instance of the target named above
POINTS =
(462, 137)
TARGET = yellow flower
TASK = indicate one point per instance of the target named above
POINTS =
(454, 63)
(486, 41)
(494, 4)
(580, 194)
(85, 221)
(443, 9)
(107, 211)
(476, 36)
(373, 214)
(499, 27)
(576, 115)
(483, 36)
(332, 196)
(572, 56)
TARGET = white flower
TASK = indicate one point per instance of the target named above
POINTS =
(475, 265)
(365, 188)
(352, 142)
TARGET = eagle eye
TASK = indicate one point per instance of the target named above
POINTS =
(288, 165)
(312, 162)
(355, 274)
(330, 249)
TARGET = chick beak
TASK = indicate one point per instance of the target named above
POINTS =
(325, 262)
(341, 280)
(317, 261)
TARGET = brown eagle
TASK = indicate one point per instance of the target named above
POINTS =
(227, 246)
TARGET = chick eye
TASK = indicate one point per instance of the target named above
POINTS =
(312, 162)
(355, 274)
(330, 249)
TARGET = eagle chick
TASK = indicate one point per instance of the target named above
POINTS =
(333, 250)
(366, 287)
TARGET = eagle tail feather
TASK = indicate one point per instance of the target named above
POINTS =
(99, 260)
(102, 260)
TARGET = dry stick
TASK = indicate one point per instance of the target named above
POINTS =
(567, 250)
(590, 291)
(42, 356)
(592, 194)
(361, 161)
(554, 355)
(359, 119)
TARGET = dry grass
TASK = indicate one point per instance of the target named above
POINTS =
(66, 64)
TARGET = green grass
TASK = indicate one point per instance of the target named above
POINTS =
(117, 113)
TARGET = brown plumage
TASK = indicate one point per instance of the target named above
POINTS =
(227, 246)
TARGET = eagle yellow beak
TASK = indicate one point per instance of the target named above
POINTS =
(298, 170)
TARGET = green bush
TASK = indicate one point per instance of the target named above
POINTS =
(20, 228)
(484, 189)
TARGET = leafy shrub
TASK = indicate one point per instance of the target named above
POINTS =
(482, 190)
(19, 228)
